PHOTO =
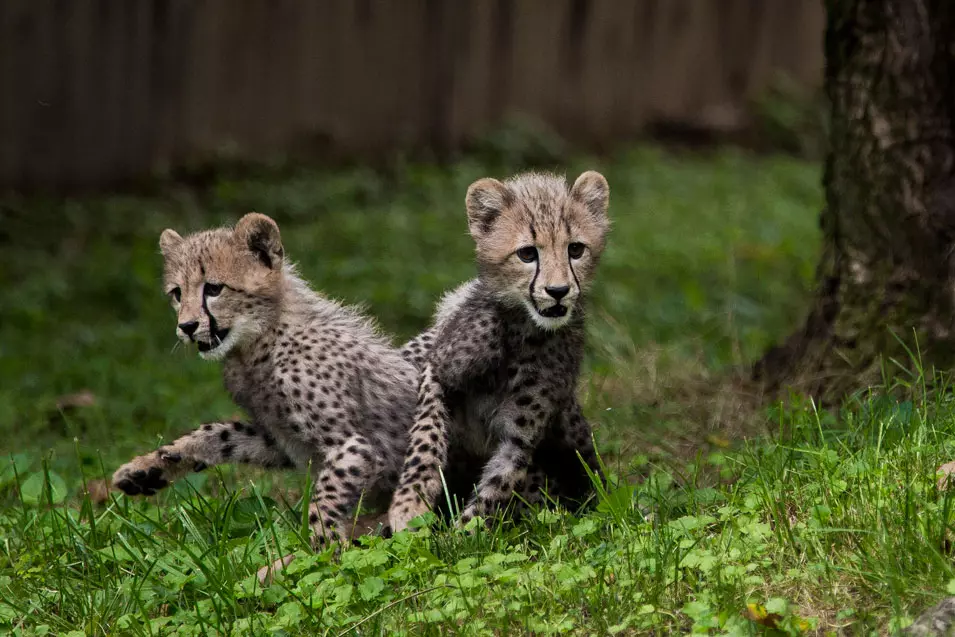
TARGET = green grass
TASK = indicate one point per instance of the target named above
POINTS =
(827, 522)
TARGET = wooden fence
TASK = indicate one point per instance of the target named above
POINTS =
(93, 91)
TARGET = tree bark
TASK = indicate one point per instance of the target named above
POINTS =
(886, 278)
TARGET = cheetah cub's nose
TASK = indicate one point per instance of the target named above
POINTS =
(557, 291)
(189, 328)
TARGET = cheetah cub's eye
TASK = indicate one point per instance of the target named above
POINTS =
(575, 250)
(212, 289)
(175, 293)
(527, 254)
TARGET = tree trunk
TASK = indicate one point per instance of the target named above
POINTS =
(886, 279)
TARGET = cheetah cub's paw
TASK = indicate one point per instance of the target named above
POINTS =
(471, 523)
(267, 574)
(148, 474)
(400, 515)
(329, 534)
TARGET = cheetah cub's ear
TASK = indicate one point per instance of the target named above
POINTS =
(261, 235)
(591, 189)
(168, 241)
(485, 201)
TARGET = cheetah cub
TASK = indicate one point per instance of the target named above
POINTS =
(319, 384)
(500, 364)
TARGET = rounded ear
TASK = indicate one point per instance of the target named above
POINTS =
(168, 240)
(486, 200)
(591, 189)
(261, 235)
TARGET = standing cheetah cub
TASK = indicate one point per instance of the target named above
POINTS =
(499, 367)
(319, 384)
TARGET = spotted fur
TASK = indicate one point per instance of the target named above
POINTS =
(500, 365)
(321, 386)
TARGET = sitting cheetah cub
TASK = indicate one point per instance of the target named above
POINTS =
(499, 367)
(318, 382)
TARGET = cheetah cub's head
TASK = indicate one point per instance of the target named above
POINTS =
(225, 284)
(538, 242)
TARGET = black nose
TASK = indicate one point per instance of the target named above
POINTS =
(558, 292)
(189, 328)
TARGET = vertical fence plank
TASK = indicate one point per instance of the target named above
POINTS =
(10, 93)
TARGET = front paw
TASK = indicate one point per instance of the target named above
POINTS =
(267, 574)
(325, 537)
(401, 514)
(474, 517)
(466, 516)
(147, 474)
